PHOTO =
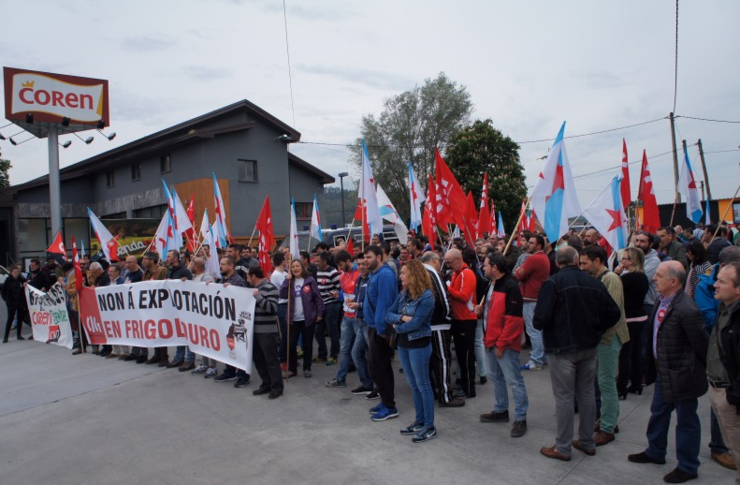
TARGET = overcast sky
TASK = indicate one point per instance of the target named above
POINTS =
(529, 66)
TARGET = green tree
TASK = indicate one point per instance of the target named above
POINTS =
(410, 126)
(481, 149)
(5, 167)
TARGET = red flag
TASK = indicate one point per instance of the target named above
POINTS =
(531, 221)
(625, 186)
(361, 215)
(650, 216)
(57, 246)
(190, 233)
(524, 224)
(429, 220)
(267, 236)
(484, 218)
(494, 229)
(470, 220)
(450, 196)
(351, 245)
(78, 268)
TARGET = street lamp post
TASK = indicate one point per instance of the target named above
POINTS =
(341, 185)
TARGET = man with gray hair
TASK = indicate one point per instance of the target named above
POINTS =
(704, 297)
(679, 350)
(573, 312)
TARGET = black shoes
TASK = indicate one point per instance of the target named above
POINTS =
(643, 457)
(241, 382)
(519, 428)
(362, 390)
(260, 391)
(679, 476)
(492, 417)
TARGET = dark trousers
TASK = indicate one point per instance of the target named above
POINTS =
(630, 360)
(298, 329)
(331, 322)
(439, 365)
(463, 331)
(283, 349)
(22, 317)
(161, 352)
(74, 322)
(266, 360)
(688, 430)
(381, 368)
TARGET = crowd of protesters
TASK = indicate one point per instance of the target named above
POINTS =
(663, 311)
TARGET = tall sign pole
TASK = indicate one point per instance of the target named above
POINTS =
(55, 198)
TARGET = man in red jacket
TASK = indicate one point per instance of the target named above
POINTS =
(504, 325)
(531, 275)
(461, 287)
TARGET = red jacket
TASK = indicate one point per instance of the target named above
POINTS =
(505, 323)
(462, 294)
(532, 274)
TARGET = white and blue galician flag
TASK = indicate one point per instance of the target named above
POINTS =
(554, 198)
(222, 233)
(316, 220)
(707, 213)
(388, 212)
(606, 214)
(500, 226)
(416, 196)
(295, 250)
(687, 189)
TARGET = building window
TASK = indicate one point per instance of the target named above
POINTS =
(110, 179)
(154, 212)
(135, 172)
(247, 170)
(303, 211)
(165, 164)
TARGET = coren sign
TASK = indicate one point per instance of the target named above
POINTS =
(51, 98)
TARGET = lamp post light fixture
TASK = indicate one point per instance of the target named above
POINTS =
(341, 185)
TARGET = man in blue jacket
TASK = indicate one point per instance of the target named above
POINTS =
(382, 290)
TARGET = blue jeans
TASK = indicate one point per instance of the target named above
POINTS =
(349, 327)
(415, 364)
(688, 430)
(505, 372)
(480, 350)
(183, 353)
(537, 354)
(283, 348)
(359, 353)
(331, 322)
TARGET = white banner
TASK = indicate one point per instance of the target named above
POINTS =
(49, 316)
(213, 320)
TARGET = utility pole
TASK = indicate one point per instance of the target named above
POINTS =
(704, 169)
(675, 158)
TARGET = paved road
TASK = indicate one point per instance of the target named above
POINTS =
(82, 419)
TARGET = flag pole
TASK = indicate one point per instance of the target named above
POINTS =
(288, 347)
(729, 206)
(518, 222)
(250, 237)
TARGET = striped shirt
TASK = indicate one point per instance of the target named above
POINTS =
(328, 282)
(265, 308)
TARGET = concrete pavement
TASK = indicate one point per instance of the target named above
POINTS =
(83, 419)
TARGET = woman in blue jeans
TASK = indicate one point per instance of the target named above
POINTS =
(411, 317)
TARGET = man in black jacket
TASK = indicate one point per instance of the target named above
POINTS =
(678, 345)
(723, 359)
(573, 311)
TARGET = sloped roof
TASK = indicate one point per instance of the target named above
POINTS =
(177, 135)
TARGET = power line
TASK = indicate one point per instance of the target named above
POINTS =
(350, 145)
(287, 50)
(706, 119)
(675, 68)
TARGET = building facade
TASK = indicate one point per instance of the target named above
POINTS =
(244, 146)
